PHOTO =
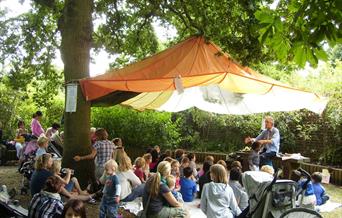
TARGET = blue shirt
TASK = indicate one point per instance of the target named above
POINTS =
(111, 190)
(319, 192)
(40, 151)
(188, 189)
(38, 180)
(274, 136)
(309, 189)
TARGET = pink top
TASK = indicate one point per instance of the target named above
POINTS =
(140, 174)
(36, 128)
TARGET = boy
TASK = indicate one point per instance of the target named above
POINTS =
(42, 142)
(319, 190)
(188, 186)
(254, 159)
(307, 198)
(111, 191)
(171, 183)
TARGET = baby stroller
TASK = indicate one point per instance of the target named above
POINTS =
(272, 197)
(26, 169)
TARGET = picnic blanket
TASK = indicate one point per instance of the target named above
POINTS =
(328, 206)
(135, 206)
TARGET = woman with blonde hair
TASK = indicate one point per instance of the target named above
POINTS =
(42, 166)
(158, 200)
(217, 200)
(128, 180)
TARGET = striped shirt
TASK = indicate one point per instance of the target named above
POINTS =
(46, 205)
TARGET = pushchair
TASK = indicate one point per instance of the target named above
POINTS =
(272, 197)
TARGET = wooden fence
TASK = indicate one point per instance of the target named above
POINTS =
(335, 173)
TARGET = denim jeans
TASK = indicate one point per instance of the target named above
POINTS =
(266, 158)
(108, 210)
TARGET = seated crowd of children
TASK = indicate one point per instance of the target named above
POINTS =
(164, 180)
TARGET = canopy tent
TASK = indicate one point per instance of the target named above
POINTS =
(195, 73)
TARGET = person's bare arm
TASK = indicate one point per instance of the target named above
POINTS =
(86, 157)
(172, 200)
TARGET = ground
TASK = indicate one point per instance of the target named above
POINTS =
(12, 179)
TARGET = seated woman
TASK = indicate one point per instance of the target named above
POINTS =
(217, 198)
(128, 180)
(42, 172)
(160, 197)
(70, 184)
(47, 203)
(20, 135)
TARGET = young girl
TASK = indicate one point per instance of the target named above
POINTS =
(42, 142)
(148, 159)
(175, 172)
(253, 158)
(74, 209)
(217, 196)
(111, 191)
(139, 165)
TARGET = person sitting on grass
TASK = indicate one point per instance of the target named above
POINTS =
(188, 186)
(319, 190)
(185, 163)
(139, 165)
(111, 191)
(43, 143)
(162, 203)
(306, 197)
(207, 158)
(52, 130)
(205, 178)
(47, 203)
(217, 198)
(41, 173)
(171, 183)
(192, 158)
(74, 209)
(239, 192)
(146, 168)
(175, 172)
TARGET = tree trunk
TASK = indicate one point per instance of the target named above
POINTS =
(76, 30)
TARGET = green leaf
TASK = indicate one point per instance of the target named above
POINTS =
(300, 55)
(264, 16)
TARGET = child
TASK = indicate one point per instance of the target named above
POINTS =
(74, 208)
(52, 130)
(207, 158)
(185, 163)
(319, 190)
(217, 198)
(171, 182)
(148, 159)
(239, 192)
(175, 172)
(267, 169)
(192, 158)
(254, 159)
(111, 191)
(236, 164)
(307, 198)
(42, 142)
(223, 163)
(188, 186)
(139, 165)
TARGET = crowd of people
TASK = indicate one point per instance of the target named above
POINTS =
(164, 180)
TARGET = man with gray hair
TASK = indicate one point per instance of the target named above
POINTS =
(270, 139)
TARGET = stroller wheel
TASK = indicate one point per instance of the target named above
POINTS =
(300, 212)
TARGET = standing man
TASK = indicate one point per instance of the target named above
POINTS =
(269, 139)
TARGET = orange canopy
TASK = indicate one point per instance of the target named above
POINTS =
(196, 61)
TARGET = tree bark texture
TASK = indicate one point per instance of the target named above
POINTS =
(76, 30)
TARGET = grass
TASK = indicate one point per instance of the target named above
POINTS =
(12, 179)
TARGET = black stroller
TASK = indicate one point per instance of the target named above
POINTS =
(272, 197)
